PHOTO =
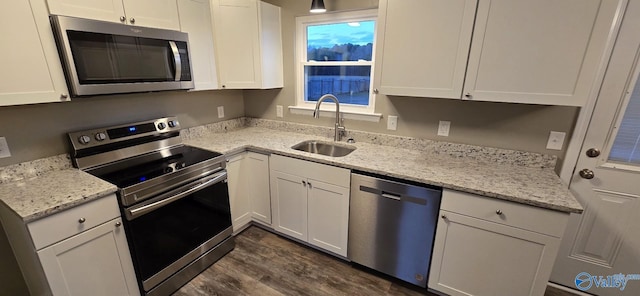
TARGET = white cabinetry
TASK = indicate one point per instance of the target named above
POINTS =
(423, 47)
(249, 195)
(195, 19)
(311, 202)
(146, 13)
(80, 251)
(248, 43)
(485, 246)
(32, 70)
(522, 51)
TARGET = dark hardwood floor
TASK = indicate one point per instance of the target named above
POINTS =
(263, 263)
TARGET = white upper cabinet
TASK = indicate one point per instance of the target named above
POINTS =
(32, 70)
(147, 13)
(518, 51)
(423, 47)
(195, 19)
(248, 44)
(541, 52)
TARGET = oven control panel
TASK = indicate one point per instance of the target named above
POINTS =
(109, 135)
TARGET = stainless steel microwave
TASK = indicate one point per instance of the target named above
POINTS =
(109, 58)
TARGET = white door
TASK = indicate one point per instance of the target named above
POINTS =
(95, 262)
(328, 216)
(289, 193)
(605, 239)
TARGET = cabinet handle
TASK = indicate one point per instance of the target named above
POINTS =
(63, 96)
(132, 21)
(309, 185)
(468, 96)
(123, 19)
(82, 220)
(444, 217)
(375, 91)
(499, 212)
(304, 183)
(118, 224)
(224, 86)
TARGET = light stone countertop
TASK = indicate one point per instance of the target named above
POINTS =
(535, 186)
(35, 197)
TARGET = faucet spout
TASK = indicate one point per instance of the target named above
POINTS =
(339, 129)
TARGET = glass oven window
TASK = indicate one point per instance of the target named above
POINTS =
(104, 58)
(161, 237)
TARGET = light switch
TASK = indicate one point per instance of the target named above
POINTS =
(4, 148)
(279, 111)
(392, 122)
(220, 111)
(443, 128)
(556, 140)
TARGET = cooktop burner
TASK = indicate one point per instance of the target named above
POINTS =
(180, 158)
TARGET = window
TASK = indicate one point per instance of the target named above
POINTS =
(626, 146)
(335, 55)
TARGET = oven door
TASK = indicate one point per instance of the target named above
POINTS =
(168, 232)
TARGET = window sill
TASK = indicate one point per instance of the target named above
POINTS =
(347, 114)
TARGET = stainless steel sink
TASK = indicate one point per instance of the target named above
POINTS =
(324, 148)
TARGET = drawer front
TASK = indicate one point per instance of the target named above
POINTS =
(523, 216)
(65, 224)
(307, 169)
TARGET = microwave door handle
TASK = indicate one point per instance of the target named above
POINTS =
(176, 60)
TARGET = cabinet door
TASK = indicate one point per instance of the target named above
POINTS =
(195, 19)
(257, 174)
(95, 262)
(328, 222)
(152, 13)
(103, 10)
(32, 72)
(477, 257)
(289, 204)
(237, 43)
(238, 191)
(540, 52)
(422, 47)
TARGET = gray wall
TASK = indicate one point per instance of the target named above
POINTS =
(37, 131)
(11, 281)
(511, 126)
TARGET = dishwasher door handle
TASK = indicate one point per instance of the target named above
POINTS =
(394, 196)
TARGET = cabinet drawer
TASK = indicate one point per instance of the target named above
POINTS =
(65, 224)
(523, 216)
(326, 173)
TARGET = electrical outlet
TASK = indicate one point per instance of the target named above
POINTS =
(443, 128)
(556, 140)
(4, 148)
(220, 111)
(279, 111)
(392, 122)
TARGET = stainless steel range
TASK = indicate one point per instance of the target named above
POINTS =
(174, 198)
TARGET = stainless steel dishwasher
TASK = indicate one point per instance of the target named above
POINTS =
(392, 224)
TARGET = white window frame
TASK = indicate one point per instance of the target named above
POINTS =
(349, 111)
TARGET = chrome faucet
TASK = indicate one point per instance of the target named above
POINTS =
(316, 114)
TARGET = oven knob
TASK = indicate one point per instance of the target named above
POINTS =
(168, 170)
(173, 123)
(180, 165)
(161, 126)
(101, 136)
(84, 139)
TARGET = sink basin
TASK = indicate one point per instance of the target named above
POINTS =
(324, 148)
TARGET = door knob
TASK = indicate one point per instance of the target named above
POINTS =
(587, 174)
(593, 152)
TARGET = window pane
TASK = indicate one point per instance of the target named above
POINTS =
(626, 147)
(350, 41)
(350, 84)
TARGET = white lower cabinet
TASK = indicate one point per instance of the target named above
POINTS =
(249, 195)
(79, 251)
(485, 246)
(310, 202)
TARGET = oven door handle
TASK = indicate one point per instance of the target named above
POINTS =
(136, 212)
(177, 62)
